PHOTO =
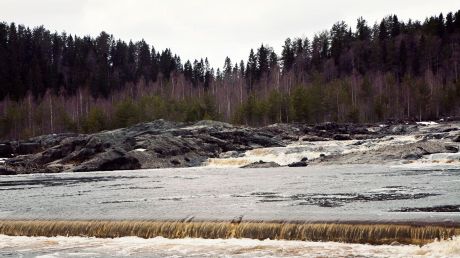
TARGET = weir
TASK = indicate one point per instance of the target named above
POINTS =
(337, 232)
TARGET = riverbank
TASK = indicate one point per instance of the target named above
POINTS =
(163, 144)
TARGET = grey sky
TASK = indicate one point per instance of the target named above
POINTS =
(213, 28)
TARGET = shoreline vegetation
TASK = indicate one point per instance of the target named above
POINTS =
(364, 233)
(59, 83)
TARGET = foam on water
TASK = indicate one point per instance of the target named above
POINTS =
(196, 247)
(311, 150)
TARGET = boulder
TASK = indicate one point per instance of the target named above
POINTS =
(414, 154)
(6, 171)
(456, 138)
(109, 161)
(342, 137)
(452, 148)
(262, 164)
(298, 164)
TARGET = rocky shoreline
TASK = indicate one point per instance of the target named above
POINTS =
(164, 144)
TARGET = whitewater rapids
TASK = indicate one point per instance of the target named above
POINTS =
(188, 247)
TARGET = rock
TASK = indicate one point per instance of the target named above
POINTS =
(452, 129)
(6, 150)
(6, 171)
(415, 154)
(229, 154)
(452, 148)
(175, 162)
(305, 159)
(298, 164)
(412, 156)
(28, 148)
(109, 161)
(456, 138)
(434, 136)
(313, 138)
(80, 155)
(342, 137)
(262, 164)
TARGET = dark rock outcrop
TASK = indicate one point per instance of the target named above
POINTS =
(342, 137)
(6, 171)
(456, 138)
(111, 160)
(262, 164)
(6, 150)
(298, 164)
(157, 144)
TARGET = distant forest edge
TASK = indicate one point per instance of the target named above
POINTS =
(52, 83)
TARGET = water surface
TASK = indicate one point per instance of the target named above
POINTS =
(317, 193)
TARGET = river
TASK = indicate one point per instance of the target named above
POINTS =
(427, 193)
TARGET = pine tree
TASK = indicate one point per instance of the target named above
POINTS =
(287, 56)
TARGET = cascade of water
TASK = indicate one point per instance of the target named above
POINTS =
(342, 232)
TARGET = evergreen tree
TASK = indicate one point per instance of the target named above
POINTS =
(287, 55)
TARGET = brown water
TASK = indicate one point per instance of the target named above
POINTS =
(349, 233)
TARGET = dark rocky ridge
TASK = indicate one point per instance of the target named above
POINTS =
(157, 144)
(162, 144)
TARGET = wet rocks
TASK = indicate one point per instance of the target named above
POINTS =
(6, 171)
(452, 148)
(262, 164)
(342, 137)
(414, 154)
(443, 208)
(298, 164)
(456, 138)
(163, 144)
(230, 154)
(313, 138)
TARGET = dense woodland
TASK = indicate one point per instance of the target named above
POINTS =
(57, 82)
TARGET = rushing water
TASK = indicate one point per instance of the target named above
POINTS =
(405, 193)
(61, 247)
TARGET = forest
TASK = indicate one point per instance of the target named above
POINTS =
(54, 82)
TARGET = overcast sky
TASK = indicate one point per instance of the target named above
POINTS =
(212, 28)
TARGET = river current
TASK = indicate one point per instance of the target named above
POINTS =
(372, 193)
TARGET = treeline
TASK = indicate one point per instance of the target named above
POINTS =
(51, 82)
